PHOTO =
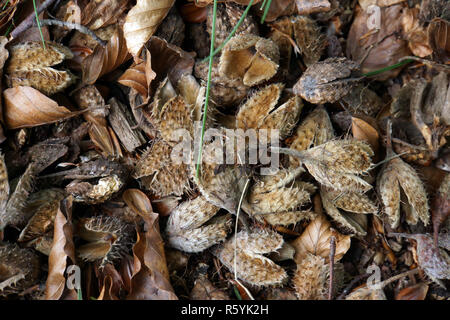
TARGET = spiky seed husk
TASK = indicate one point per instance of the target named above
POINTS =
(44, 205)
(310, 41)
(352, 222)
(395, 174)
(259, 241)
(315, 130)
(103, 190)
(190, 214)
(311, 278)
(201, 238)
(19, 268)
(352, 201)
(285, 218)
(112, 235)
(30, 65)
(285, 117)
(253, 267)
(328, 80)
(14, 213)
(281, 199)
(250, 58)
(227, 16)
(159, 173)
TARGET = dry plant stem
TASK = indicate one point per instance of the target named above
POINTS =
(235, 238)
(428, 63)
(408, 273)
(73, 26)
(332, 253)
(30, 20)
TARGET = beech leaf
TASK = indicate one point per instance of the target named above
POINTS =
(142, 21)
(27, 107)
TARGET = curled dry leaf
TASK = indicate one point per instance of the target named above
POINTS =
(440, 210)
(139, 75)
(97, 14)
(112, 284)
(61, 255)
(27, 107)
(434, 261)
(251, 265)
(415, 33)
(103, 60)
(376, 49)
(150, 279)
(438, 31)
(141, 22)
(415, 292)
(361, 130)
(328, 80)
(316, 240)
(250, 58)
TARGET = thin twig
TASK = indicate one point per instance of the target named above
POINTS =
(73, 26)
(332, 253)
(30, 20)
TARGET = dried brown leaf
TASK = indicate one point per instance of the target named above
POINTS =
(61, 255)
(415, 292)
(27, 107)
(316, 240)
(362, 130)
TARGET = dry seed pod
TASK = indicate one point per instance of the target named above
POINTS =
(19, 269)
(251, 265)
(395, 174)
(31, 65)
(285, 218)
(184, 227)
(311, 278)
(99, 192)
(89, 97)
(159, 173)
(44, 205)
(328, 80)
(277, 194)
(109, 239)
(260, 112)
(336, 163)
(310, 41)
(250, 58)
(227, 16)
(315, 130)
(224, 92)
(353, 203)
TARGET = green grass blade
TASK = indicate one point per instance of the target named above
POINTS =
(266, 10)
(388, 68)
(232, 33)
(208, 88)
(38, 23)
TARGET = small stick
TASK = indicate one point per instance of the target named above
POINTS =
(332, 253)
(73, 26)
(30, 20)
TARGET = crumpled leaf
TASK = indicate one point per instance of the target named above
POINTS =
(27, 107)
(316, 240)
(141, 22)
(61, 255)
(362, 130)
(98, 14)
(150, 279)
(438, 31)
(415, 292)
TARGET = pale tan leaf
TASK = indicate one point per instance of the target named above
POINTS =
(27, 107)
(316, 240)
(142, 20)
(362, 130)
